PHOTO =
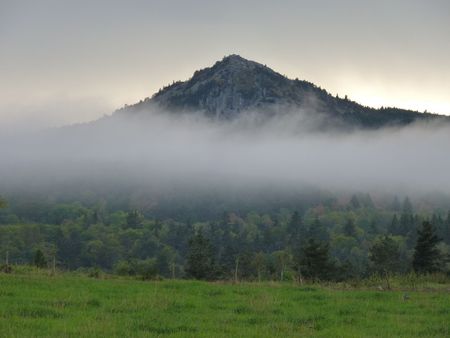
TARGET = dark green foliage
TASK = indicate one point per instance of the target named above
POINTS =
(318, 231)
(407, 206)
(367, 201)
(396, 204)
(70, 244)
(143, 268)
(146, 268)
(427, 257)
(295, 223)
(406, 224)
(134, 219)
(385, 255)
(349, 228)
(6, 268)
(442, 226)
(246, 243)
(296, 228)
(39, 259)
(314, 261)
(94, 272)
(125, 268)
(393, 228)
(200, 262)
(373, 228)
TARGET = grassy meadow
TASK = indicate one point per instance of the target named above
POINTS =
(34, 304)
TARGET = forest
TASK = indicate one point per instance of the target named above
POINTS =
(345, 238)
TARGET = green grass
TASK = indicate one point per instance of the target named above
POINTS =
(66, 305)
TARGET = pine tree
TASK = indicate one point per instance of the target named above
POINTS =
(384, 255)
(313, 261)
(295, 222)
(393, 227)
(395, 204)
(439, 225)
(406, 223)
(373, 228)
(318, 231)
(200, 258)
(367, 201)
(427, 257)
(134, 219)
(407, 206)
(295, 229)
(349, 228)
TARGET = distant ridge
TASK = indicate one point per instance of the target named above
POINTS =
(234, 85)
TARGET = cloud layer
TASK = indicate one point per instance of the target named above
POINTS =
(160, 150)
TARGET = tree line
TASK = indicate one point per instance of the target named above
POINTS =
(321, 242)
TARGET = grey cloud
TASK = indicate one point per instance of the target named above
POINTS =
(167, 151)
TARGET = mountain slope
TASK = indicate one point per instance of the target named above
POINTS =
(235, 85)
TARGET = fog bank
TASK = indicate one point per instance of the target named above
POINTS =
(187, 151)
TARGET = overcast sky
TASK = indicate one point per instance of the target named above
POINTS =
(71, 61)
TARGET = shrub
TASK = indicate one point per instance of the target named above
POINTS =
(147, 268)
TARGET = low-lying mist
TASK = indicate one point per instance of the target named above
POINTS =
(189, 152)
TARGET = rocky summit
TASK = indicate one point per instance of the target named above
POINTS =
(235, 85)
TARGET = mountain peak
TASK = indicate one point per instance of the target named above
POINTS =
(235, 84)
(228, 87)
(237, 61)
(234, 58)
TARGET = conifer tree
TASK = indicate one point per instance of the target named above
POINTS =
(318, 231)
(393, 227)
(200, 258)
(134, 219)
(407, 206)
(395, 204)
(427, 257)
(313, 261)
(384, 255)
(349, 228)
(296, 230)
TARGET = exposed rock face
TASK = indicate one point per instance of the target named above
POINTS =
(234, 85)
(231, 86)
